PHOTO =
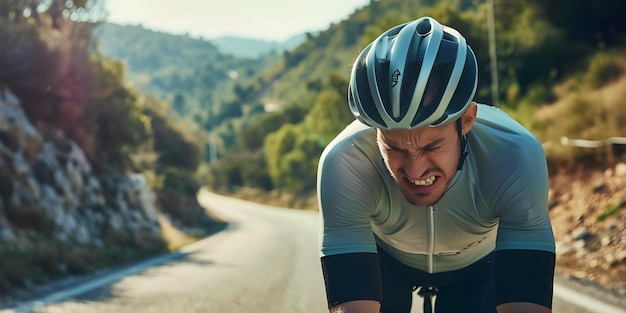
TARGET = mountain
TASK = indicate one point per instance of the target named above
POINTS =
(254, 48)
(236, 46)
(194, 75)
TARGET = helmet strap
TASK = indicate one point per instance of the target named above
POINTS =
(463, 140)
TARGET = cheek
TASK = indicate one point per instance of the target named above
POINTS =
(445, 159)
(393, 161)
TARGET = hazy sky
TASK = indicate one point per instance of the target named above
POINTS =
(260, 19)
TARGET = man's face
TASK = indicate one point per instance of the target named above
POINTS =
(423, 161)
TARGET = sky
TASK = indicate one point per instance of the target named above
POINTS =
(271, 20)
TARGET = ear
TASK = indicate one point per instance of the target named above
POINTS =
(469, 117)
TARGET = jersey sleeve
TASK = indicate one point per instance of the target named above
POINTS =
(524, 276)
(521, 199)
(350, 277)
(347, 191)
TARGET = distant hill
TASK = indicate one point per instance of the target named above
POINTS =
(192, 74)
(253, 48)
(235, 46)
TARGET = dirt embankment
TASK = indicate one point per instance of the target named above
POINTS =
(588, 211)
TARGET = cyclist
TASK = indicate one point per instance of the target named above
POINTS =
(428, 187)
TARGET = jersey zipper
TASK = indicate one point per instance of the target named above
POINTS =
(431, 238)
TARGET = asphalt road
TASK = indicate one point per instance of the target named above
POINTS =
(265, 261)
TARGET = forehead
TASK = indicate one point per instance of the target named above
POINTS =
(423, 134)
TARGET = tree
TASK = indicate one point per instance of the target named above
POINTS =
(292, 154)
(178, 104)
(173, 148)
(120, 127)
(330, 112)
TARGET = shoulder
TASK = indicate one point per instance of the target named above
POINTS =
(349, 172)
(497, 137)
(356, 143)
(507, 161)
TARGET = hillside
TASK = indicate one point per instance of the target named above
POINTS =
(195, 76)
(187, 113)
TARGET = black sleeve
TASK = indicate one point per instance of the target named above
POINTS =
(351, 276)
(524, 276)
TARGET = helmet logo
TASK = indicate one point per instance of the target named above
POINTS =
(394, 78)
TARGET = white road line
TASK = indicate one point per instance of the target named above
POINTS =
(61, 295)
(584, 301)
(90, 285)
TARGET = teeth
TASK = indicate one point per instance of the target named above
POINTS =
(425, 182)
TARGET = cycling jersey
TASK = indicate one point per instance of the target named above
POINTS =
(497, 201)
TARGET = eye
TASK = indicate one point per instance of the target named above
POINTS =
(392, 149)
(435, 145)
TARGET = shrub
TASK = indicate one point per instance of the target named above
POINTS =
(604, 67)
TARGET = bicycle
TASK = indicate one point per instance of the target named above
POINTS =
(428, 292)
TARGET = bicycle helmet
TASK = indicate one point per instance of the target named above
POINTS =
(415, 74)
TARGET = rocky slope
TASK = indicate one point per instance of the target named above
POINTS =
(588, 210)
(60, 218)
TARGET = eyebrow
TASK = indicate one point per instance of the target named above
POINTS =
(435, 143)
(430, 145)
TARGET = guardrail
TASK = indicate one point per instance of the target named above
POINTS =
(609, 143)
(583, 143)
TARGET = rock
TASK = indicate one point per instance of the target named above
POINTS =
(620, 169)
(581, 233)
(599, 186)
(563, 248)
(579, 245)
(553, 203)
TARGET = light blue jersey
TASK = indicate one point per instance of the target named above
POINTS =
(498, 200)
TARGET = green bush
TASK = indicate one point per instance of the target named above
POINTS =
(179, 182)
(540, 94)
(604, 67)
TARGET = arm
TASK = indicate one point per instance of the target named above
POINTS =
(524, 280)
(353, 283)
(348, 192)
(525, 258)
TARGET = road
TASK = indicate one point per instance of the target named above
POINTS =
(265, 261)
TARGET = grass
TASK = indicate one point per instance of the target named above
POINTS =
(172, 236)
(608, 211)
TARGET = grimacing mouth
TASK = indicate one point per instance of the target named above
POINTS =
(423, 182)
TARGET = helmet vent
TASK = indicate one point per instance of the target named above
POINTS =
(393, 32)
(423, 28)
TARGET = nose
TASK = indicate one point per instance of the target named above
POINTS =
(416, 165)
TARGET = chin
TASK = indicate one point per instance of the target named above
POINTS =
(421, 200)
